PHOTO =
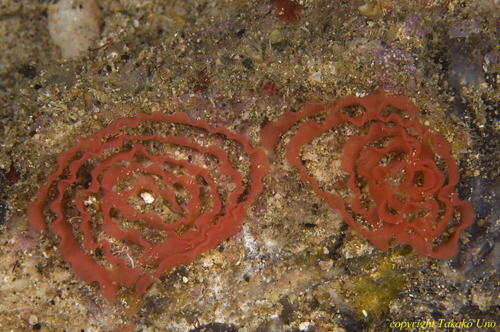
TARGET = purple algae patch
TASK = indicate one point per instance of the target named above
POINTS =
(464, 28)
(414, 26)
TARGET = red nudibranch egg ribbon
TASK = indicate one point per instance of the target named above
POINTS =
(399, 175)
(146, 194)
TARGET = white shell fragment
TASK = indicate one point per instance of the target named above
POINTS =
(147, 197)
(74, 26)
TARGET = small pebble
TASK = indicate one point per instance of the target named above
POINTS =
(180, 9)
(303, 326)
(32, 320)
(147, 197)
(276, 36)
(337, 48)
(325, 266)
